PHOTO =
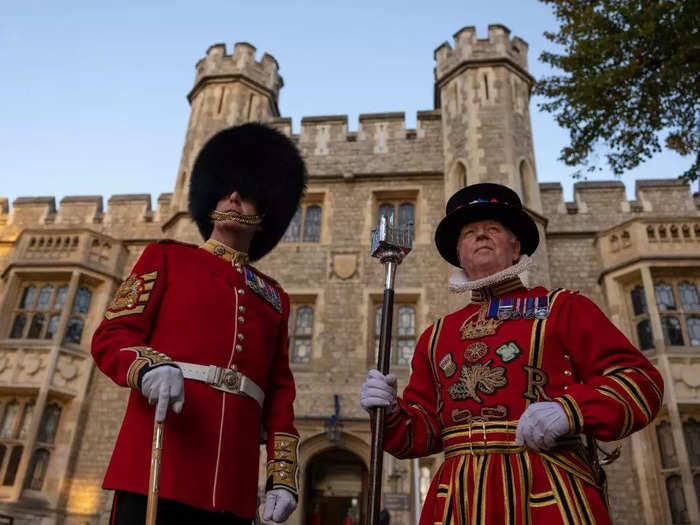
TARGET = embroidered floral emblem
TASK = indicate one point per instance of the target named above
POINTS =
(508, 351)
(477, 378)
(475, 351)
(448, 366)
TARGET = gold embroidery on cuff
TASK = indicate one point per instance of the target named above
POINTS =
(145, 356)
(132, 295)
(283, 468)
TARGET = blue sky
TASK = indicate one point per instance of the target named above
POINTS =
(93, 93)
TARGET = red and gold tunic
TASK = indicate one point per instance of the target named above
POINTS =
(201, 306)
(472, 378)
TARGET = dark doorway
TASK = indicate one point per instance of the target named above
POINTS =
(336, 488)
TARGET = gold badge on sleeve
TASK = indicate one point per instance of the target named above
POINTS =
(132, 296)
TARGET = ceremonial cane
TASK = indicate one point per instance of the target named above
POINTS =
(154, 477)
(390, 245)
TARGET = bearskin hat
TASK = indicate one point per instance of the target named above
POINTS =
(263, 165)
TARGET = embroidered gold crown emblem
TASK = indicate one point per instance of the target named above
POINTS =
(479, 327)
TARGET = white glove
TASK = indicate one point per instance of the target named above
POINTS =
(379, 390)
(279, 504)
(164, 385)
(541, 424)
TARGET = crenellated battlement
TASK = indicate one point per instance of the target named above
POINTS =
(218, 66)
(132, 211)
(335, 127)
(599, 205)
(470, 49)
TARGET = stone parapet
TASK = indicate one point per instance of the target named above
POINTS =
(600, 205)
(469, 49)
(220, 67)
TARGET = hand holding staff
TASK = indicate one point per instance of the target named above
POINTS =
(390, 245)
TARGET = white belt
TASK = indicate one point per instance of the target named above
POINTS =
(226, 379)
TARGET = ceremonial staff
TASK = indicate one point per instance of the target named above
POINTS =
(154, 476)
(390, 245)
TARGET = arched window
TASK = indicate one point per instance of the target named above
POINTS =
(666, 446)
(18, 325)
(644, 337)
(312, 224)
(52, 327)
(9, 417)
(37, 469)
(81, 305)
(676, 500)
(302, 334)
(35, 329)
(639, 300)
(74, 331)
(693, 325)
(673, 335)
(406, 334)
(12, 465)
(664, 296)
(691, 432)
(293, 233)
(689, 297)
(44, 297)
(27, 414)
(49, 423)
(386, 210)
(406, 215)
(27, 297)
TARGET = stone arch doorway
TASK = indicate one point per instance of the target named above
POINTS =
(335, 488)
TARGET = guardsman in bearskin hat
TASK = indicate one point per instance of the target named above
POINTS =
(508, 386)
(199, 330)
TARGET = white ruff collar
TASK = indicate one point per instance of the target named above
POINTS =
(460, 283)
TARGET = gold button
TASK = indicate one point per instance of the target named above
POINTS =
(239, 348)
(241, 309)
(567, 356)
(566, 387)
(283, 475)
(241, 319)
(567, 372)
(241, 291)
(241, 337)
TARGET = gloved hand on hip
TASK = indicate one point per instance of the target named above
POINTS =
(164, 385)
(379, 390)
(541, 424)
(279, 505)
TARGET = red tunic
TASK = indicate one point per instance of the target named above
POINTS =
(466, 394)
(197, 307)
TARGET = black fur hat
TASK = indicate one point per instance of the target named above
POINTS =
(263, 165)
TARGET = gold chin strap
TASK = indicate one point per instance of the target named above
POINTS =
(221, 216)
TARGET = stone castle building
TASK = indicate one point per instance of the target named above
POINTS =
(60, 266)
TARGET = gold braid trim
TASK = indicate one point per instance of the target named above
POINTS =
(145, 356)
(282, 470)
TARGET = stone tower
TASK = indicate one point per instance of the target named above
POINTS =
(482, 88)
(228, 90)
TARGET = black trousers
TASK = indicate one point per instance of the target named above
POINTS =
(129, 508)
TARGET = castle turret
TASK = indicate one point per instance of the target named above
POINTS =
(228, 90)
(482, 88)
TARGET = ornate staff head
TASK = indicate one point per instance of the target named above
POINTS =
(391, 243)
